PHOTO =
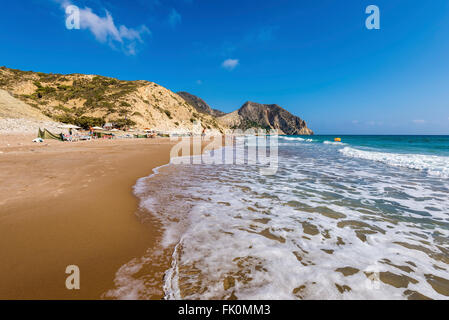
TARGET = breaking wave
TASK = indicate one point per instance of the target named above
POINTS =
(433, 165)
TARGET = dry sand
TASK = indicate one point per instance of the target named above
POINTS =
(71, 204)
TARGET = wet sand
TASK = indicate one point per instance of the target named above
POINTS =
(71, 204)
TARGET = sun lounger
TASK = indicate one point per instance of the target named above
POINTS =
(67, 138)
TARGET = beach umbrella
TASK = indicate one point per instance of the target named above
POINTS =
(97, 128)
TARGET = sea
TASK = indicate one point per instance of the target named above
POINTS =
(364, 218)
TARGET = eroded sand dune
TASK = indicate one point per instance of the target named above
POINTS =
(18, 117)
(11, 107)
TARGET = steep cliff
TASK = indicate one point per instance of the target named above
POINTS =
(266, 116)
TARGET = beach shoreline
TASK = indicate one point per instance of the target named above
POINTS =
(71, 204)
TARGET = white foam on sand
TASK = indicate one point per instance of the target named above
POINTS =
(226, 237)
(230, 232)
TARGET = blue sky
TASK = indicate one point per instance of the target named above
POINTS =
(315, 58)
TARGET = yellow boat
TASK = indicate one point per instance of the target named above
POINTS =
(337, 139)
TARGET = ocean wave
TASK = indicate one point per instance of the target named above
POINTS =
(226, 234)
(293, 139)
(297, 139)
(337, 143)
(433, 165)
(240, 241)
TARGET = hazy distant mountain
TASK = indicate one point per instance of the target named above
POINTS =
(266, 116)
(200, 105)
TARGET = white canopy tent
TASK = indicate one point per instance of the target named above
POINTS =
(69, 126)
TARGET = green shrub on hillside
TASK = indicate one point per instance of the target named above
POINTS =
(121, 123)
(62, 108)
(63, 87)
(51, 77)
(123, 112)
(168, 113)
(109, 107)
(78, 112)
(84, 121)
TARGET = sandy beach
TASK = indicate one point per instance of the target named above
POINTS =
(71, 204)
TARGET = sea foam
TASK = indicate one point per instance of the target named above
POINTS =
(322, 228)
(434, 165)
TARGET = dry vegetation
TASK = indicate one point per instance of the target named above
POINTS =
(89, 100)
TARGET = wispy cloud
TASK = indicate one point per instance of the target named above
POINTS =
(419, 121)
(174, 18)
(266, 33)
(106, 31)
(260, 36)
(230, 64)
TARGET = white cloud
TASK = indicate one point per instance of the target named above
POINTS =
(106, 31)
(375, 123)
(199, 82)
(174, 18)
(419, 121)
(355, 121)
(230, 64)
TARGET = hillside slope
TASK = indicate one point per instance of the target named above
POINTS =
(16, 117)
(266, 116)
(90, 100)
(93, 100)
(11, 107)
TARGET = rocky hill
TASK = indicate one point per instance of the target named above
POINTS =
(266, 116)
(93, 100)
(200, 105)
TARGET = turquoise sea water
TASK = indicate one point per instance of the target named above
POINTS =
(367, 218)
(431, 145)
(428, 154)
